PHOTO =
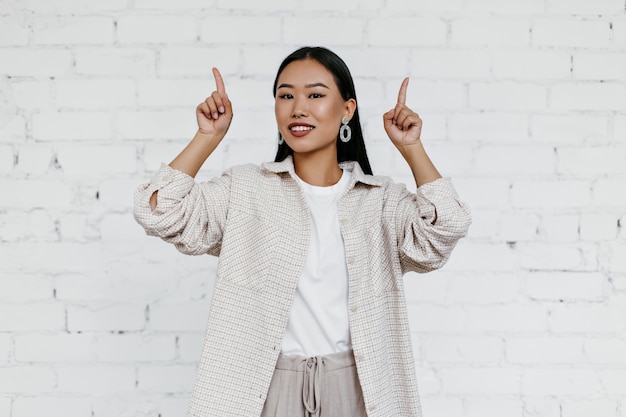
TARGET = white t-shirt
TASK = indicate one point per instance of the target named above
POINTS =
(318, 323)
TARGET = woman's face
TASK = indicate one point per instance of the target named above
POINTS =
(309, 107)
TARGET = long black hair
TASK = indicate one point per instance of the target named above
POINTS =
(353, 150)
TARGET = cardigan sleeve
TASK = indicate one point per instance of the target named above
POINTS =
(188, 214)
(429, 224)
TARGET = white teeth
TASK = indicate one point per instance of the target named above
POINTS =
(301, 128)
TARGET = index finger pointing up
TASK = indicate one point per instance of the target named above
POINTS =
(219, 82)
(402, 93)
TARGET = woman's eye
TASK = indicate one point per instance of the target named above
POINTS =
(285, 96)
(316, 95)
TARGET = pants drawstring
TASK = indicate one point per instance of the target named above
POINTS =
(312, 385)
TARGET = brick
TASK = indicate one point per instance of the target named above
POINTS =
(22, 287)
(589, 318)
(30, 95)
(430, 383)
(254, 124)
(570, 33)
(75, 227)
(515, 227)
(116, 227)
(13, 129)
(426, 96)
(166, 379)
(440, 406)
(71, 406)
(254, 5)
(58, 348)
(542, 406)
(582, 7)
(163, 93)
(570, 129)
(572, 407)
(32, 317)
(606, 351)
(424, 5)
(558, 257)
(27, 62)
(570, 382)
(69, 7)
(6, 349)
(619, 32)
(13, 33)
(613, 381)
(6, 158)
(154, 155)
(306, 30)
(608, 192)
(494, 381)
(451, 159)
(329, 5)
(431, 288)
(599, 226)
(160, 5)
(118, 318)
(373, 62)
(544, 350)
(117, 192)
(472, 257)
(90, 94)
(485, 224)
(116, 61)
(507, 96)
(503, 288)
(135, 348)
(436, 318)
(198, 61)
(416, 31)
(505, 7)
(461, 349)
(550, 193)
(566, 286)
(507, 160)
(589, 96)
(617, 257)
(488, 127)
(5, 407)
(600, 66)
(34, 160)
(559, 228)
(190, 346)
(71, 125)
(591, 161)
(493, 407)
(96, 160)
(95, 380)
(179, 316)
(149, 29)
(251, 94)
(490, 31)
(174, 124)
(513, 317)
(35, 193)
(530, 64)
(264, 60)
(445, 63)
(619, 129)
(25, 380)
(240, 29)
(72, 30)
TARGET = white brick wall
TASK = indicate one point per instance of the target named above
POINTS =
(524, 105)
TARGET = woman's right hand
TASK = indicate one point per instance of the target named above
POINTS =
(216, 112)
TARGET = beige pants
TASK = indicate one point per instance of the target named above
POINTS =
(320, 386)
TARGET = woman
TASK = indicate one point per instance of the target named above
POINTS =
(308, 315)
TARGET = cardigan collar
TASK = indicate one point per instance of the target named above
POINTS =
(358, 175)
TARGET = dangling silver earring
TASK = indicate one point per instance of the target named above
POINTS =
(281, 140)
(345, 133)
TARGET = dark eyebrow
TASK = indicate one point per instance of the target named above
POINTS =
(306, 86)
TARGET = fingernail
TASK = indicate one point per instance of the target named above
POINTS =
(221, 109)
(215, 115)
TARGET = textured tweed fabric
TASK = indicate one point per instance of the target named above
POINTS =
(255, 218)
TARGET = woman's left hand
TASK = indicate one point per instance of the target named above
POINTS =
(403, 125)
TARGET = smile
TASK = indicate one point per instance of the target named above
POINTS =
(300, 128)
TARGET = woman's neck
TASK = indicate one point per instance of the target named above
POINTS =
(317, 169)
